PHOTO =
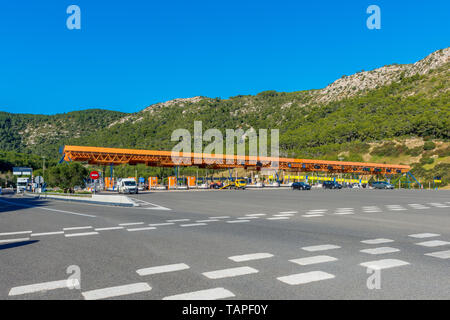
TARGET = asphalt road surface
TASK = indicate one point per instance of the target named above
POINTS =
(251, 244)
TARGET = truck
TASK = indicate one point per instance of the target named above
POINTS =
(127, 185)
(22, 184)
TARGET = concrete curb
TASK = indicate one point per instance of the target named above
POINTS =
(112, 200)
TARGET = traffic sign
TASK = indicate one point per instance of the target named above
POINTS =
(39, 180)
(94, 175)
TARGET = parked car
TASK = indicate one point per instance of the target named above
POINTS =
(216, 185)
(300, 186)
(382, 185)
(331, 185)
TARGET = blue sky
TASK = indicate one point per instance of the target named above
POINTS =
(130, 54)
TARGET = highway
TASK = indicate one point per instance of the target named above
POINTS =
(251, 244)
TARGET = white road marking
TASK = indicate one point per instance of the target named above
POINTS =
(288, 212)
(116, 291)
(433, 243)
(237, 221)
(209, 220)
(418, 206)
(307, 277)
(395, 207)
(161, 224)
(438, 205)
(131, 223)
(232, 272)
(283, 215)
(162, 269)
(278, 218)
(371, 209)
(384, 264)
(193, 224)
(246, 218)
(14, 240)
(108, 228)
(440, 254)
(424, 235)
(45, 286)
(312, 215)
(77, 228)
(380, 250)
(14, 233)
(220, 217)
(141, 229)
(344, 211)
(178, 220)
(46, 233)
(255, 215)
(209, 294)
(320, 247)
(155, 206)
(313, 260)
(377, 241)
(80, 234)
(251, 256)
(317, 210)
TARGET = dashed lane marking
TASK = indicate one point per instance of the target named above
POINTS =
(278, 218)
(116, 291)
(395, 207)
(433, 243)
(288, 212)
(377, 241)
(380, 250)
(440, 254)
(343, 211)
(255, 215)
(227, 273)
(438, 205)
(77, 228)
(161, 224)
(219, 217)
(371, 209)
(384, 264)
(424, 235)
(237, 221)
(193, 224)
(108, 228)
(307, 277)
(209, 220)
(313, 260)
(162, 269)
(141, 229)
(418, 206)
(284, 215)
(251, 256)
(130, 224)
(178, 220)
(321, 247)
(312, 215)
(46, 233)
(209, 294)
(38, 287)
(14, 233)
(14, 240)
(80, 234)
(246, 218)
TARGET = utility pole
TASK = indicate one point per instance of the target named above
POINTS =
(43, 167)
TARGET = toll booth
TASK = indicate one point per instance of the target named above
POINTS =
(152, 182)
(172, 182)
(109, 183)
(190, 181)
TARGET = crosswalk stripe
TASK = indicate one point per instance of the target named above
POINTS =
(232, 272)
(307, 277)
(116, 291)
(162, 269)
(209, 294)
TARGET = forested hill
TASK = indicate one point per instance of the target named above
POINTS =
(395, 101)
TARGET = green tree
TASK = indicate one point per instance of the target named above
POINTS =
(67, 175)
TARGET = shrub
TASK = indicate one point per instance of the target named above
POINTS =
(429, 145)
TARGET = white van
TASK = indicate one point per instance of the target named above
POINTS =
(127, 185)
